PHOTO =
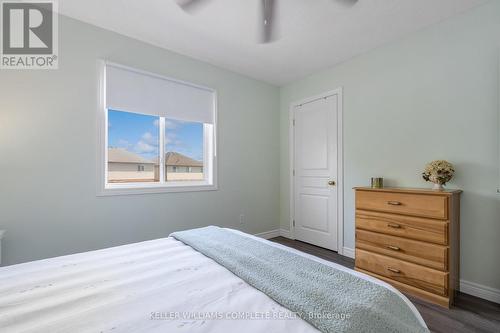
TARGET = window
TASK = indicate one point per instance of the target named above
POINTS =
(132, 147)
(184, 150)
(157, 134)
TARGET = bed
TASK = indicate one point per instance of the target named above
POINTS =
(161, 285)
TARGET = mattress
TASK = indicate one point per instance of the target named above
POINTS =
(161, 285)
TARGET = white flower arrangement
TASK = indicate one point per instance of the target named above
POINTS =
(438, 172)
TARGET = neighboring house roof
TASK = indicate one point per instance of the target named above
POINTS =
(121, 155)
(175, 159)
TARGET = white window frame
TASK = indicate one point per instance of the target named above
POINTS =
(498, 137)
(209, 150)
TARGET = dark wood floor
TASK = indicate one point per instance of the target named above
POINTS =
(469, 313)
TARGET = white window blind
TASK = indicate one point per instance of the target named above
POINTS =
(139, 92)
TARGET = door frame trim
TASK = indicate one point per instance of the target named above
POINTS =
(340, 162)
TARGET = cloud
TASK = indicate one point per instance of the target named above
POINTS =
(156, 123)
(147, 137)
(150, 139)
(171, 124)
(147, 144)
(171, 138)
(172, 141)
(123, 143)
(142, 147)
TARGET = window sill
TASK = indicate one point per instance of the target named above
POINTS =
(120, 189)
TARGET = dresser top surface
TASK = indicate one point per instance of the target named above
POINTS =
(410, 190)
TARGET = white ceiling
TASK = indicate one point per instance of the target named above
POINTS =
(315, 34)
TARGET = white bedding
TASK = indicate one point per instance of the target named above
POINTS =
(155, 286)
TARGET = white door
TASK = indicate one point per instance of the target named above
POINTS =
(315, 166)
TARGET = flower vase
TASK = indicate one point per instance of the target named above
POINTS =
(438, 187)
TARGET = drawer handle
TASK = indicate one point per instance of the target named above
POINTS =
(394, 203)
(393, 270)
(394, 248)
(394, 225)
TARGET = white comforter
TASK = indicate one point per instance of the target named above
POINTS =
(155, 286)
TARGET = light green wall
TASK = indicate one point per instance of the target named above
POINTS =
(48, 202)
(432, 95)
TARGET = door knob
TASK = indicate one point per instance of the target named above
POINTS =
(331, 182)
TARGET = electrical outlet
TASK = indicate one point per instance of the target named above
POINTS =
(242, 219)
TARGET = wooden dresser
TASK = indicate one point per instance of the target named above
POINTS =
(410, 239)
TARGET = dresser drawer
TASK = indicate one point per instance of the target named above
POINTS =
(433, 206)
(426, 254)
(415, 275)
(427, 230)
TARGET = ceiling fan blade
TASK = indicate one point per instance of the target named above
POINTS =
(190, 5)
(267, 21)
(346, 3)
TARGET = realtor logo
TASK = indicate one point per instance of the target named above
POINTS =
(29, 35)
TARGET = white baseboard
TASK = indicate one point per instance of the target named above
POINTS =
(268, 234)
(348, 252)
(481, 291)
(286, 233)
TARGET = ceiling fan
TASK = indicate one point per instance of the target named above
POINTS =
(267, 17)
